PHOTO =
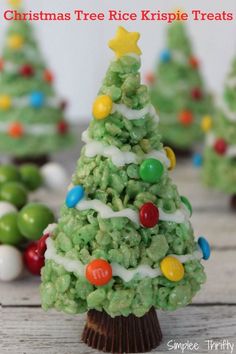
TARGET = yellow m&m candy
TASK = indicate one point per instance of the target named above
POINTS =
(172, 268)
(5, 102)
(15, 41)
(171, 156)
(206, 123)
(102, 107)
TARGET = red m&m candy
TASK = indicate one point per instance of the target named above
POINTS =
(62, 127)
(149, 215)
(196, 94)
(194, 62)
(27, 70)
(220, 146)
(99, 272)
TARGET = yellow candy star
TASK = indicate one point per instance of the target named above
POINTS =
(125, 42)
(206, 123)
(15, 3)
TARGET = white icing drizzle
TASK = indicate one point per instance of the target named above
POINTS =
(230, 151)
(179, 216)
(34, 129)
(24, 101)
(49, 229)
(231, 82)
(106, 212)
(143, 271)
(133, 114)
(12, 68)
(230, 115)
(118, 157)
(74, 266)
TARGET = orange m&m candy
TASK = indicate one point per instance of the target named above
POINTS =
(99, 272)
(186, 118)
(15, 130)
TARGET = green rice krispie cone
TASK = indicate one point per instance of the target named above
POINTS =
(219, 170)
(32, 122)
(123, 245)
(178, 91)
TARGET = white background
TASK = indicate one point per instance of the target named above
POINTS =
(77, 52)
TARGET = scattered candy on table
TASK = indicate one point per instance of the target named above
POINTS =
(31, 176)
(49, 171)
(32, 260)
(33, 219)
(99, 272)
(9, 231)
(14, 193)
(6, 207)
(11, 263)
(172, 268)
(151, 170)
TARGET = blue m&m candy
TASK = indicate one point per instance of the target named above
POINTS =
(205, 247)
(197, 160)
(74, 196)
(37, 99)
(165, 56)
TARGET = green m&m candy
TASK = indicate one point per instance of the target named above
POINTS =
(33, 220)
(14, 193)
(151, 170)
(9, 173)
(31, 176)
(186, 202)
(9, 231)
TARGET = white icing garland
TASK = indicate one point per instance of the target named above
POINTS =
(231, 82)
(230, 151)
(179, 216)
(118, 157)
(133, 114)
(230, 115)
(77, 267)
(13, 68)
(24, 101)
(34, 129)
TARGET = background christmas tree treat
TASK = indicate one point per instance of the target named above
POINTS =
(178, 92)
(219, 169)
(123, 245)
(32, 123)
